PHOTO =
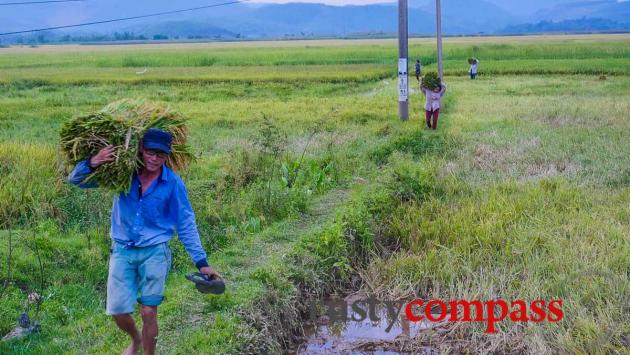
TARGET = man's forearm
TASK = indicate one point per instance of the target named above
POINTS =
(195, 250)
(187, 226)
(79, 173)
(189, 236)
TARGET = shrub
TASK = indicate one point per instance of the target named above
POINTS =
(416, 143)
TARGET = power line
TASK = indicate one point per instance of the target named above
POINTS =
(36, 2)
(124, 18)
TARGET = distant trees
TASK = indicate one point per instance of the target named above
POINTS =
(41, 38)
(578, 25)
(51, 37)
(128, 36)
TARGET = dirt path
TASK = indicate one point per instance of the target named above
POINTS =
(188, 313)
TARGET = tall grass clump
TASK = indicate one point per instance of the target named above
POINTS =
(415, 142)
(28, 185)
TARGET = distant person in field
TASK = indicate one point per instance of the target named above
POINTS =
(432, 105)
(143, 221)
(418, 70)
(473, 69)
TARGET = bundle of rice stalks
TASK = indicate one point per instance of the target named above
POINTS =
(431, 80)
(472, 60)
(123, 124)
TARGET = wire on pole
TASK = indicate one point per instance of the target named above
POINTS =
(36, 2)
(123, 18)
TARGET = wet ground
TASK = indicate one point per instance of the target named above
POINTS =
(365, 330)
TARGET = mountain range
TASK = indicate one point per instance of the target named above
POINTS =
(303, 20)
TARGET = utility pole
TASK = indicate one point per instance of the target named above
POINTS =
(438, 15)
(403, 83)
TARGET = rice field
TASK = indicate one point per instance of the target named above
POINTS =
(523, 192)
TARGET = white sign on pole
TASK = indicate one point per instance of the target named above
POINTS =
(403, 88)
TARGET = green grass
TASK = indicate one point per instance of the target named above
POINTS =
(305, 53)
(213, 75)
(523, 191)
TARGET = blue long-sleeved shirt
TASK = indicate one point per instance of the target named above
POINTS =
(151, 218)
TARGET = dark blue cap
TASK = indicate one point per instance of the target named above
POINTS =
(157, 139)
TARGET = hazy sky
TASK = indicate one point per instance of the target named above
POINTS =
(329, 2)
(507, 4)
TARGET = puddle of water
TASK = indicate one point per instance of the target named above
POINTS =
(374, 334)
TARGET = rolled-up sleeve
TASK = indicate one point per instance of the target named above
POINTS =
(187, 226)
(79, 173)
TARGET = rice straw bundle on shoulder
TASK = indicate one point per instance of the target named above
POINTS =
(431, 80)
(122, 124)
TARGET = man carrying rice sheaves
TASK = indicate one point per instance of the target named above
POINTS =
(143, 220)
(473, 68)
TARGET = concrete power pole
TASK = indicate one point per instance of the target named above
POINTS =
(438, 15)
(403, 83)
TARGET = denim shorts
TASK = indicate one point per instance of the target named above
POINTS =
(136, 275)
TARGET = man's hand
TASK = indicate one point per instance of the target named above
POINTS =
(207, 270)
(104, 155)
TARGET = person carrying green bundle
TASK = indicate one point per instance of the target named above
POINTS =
(143, 220)
(433, 89)
(473, 68)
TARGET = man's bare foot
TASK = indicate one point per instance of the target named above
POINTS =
(133, 348)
